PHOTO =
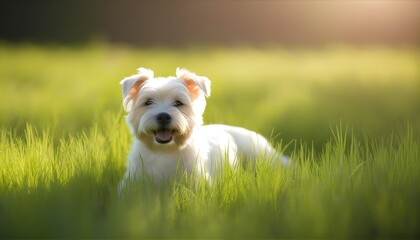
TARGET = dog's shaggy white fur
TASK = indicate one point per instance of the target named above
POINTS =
(165, 119)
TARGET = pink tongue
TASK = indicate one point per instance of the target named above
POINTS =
(164, 135)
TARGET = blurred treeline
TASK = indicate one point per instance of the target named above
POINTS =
(184, 22)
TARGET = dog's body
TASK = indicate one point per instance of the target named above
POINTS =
(210, 147)
(165, 118)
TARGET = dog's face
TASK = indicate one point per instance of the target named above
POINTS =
(163, 112)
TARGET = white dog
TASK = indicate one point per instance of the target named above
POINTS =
(165, 119)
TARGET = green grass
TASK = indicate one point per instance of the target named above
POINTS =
(63, 144)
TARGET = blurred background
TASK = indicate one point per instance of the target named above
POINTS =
(293, 68)
(184, 22)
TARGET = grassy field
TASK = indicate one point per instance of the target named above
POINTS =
(349, 118)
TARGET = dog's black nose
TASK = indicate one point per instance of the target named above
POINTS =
(163, 119)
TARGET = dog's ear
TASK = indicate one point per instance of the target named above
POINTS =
(131, 86)
(196, 84)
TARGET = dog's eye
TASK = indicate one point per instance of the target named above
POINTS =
(148, 102)
(178, 103)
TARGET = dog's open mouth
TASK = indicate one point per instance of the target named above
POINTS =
(163, 136)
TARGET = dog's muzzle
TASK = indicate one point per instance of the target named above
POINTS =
(164, 134)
